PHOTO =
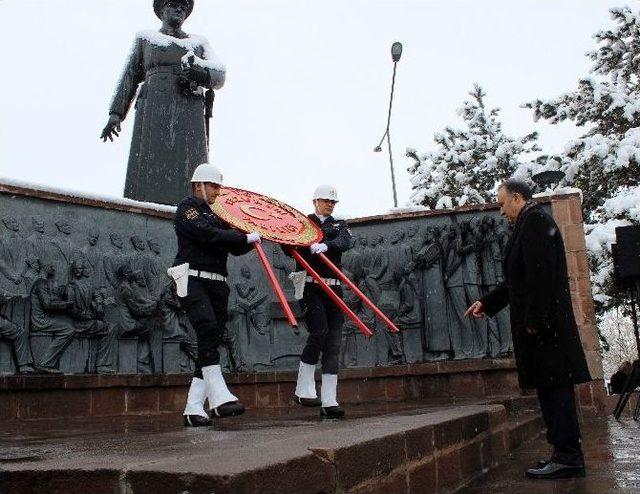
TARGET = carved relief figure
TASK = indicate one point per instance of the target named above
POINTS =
(62, 251)
(113, 261)
(460, 327)
(19, 338)
(157, 267)
(388, 301)
(471, 275)
(250, 313)
(87, 311)
(135, 311)
(12, 259)
(429, 261)
(175, 323)
(409, 313)
(491, 261)
(37, 251)
(49, 315)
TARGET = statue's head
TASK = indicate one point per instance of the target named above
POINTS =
(154, 246)
(116, 240)
(137, 243)
(78, 268)
(63, 227)
(245, 272)
(475, 223)
(49, 270)
(173, 12)
(138, 278)
(125, 271)
(38, 224)
(93, 236)
(411, 231)
(396, 237)
(428, 235)
(363, 240)
(11, 223)
(488, 223)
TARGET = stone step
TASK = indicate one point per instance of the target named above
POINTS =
(429, 449)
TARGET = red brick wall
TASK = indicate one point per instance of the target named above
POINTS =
(567, 211)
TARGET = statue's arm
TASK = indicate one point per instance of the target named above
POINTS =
(132, 76)
(216, 69)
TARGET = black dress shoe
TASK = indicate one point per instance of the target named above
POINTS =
(229, 409)
(553, 470)
(307, 402)
(196, 421)
(332, 412)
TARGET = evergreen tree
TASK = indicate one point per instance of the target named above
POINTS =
(605, 162)
(468, 163)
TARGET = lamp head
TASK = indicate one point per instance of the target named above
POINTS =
(396, 51)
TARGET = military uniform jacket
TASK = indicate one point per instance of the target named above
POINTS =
(336, 236)
(204, 241)
(536, 287)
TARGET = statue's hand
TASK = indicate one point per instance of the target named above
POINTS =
(112, 128)
(199, 75)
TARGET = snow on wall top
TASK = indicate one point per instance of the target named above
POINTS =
(120, 201)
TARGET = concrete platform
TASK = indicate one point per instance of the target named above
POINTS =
(397, 447)
(611, 456)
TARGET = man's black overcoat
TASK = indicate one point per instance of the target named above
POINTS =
(536, 287)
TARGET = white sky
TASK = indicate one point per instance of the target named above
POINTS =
(307, 85)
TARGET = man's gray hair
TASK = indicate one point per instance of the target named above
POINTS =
(514, 185)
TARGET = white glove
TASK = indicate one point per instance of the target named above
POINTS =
(253, 238)
(318, 248)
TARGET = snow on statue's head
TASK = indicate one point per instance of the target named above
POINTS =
(158, 5)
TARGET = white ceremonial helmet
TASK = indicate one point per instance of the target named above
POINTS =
(326, 192)
(207, 173)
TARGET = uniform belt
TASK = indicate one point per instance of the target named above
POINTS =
(164, 69)
(328, 281)
(207, 275)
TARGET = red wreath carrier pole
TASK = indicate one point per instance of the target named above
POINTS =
(338, 301)
(392, 327)
(276, 286)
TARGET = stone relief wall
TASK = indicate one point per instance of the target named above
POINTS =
(84, 290)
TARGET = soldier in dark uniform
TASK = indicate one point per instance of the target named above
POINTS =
(200, 272)
(324, 319)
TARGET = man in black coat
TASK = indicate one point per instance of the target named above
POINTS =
(546, 342)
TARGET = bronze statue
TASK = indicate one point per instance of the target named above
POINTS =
(172, 69)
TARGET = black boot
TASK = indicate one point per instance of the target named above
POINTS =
(307, 402)
(229, 409)
(336, 412)
(196, 421)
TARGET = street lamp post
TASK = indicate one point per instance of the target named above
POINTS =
(396, 53)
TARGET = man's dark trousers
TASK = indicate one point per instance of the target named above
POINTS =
(324, 321)
(558, 407)
(206, 308)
